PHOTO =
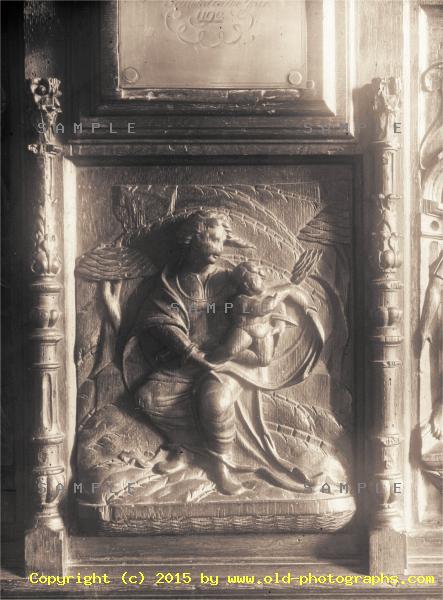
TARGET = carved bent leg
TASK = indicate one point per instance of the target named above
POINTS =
(261, 353)
(237, 342)
(255, 352)
(167, 404)
(265, 350)
(216, 399)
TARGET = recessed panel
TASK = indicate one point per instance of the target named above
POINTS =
(214, 349)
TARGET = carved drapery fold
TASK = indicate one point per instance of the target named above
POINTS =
(386, 299)
(430, 336)
(47, 470)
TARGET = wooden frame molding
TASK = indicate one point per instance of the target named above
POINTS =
(326, 22)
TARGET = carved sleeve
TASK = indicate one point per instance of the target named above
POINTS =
(174, 338)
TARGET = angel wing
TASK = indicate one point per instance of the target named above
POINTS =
(329, 228)
(305, 265)
(110, 262)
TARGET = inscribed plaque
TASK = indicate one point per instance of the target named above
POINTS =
(212, 43)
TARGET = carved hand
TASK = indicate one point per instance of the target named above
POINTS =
(269, 303)
(303, 300)
(198, 357)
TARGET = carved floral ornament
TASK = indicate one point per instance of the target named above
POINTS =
(46, 260)
(387, 257)
(46, 108)
(46, 97)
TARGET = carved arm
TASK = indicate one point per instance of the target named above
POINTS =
(179, 344)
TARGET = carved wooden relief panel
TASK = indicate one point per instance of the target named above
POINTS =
(214, 355)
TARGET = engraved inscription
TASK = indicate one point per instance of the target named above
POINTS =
(212, 23)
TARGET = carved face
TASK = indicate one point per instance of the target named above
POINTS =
(253, 283)
(250, 278)
(208, 243)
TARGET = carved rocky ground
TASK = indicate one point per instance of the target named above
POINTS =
(119, 454)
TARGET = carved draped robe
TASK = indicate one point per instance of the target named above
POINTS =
(275, 438)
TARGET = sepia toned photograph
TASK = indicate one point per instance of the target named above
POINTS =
(222, 299)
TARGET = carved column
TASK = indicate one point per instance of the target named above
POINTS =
(45, 539)
(385, 401)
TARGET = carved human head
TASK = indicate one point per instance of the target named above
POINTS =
(204, 234)
(249, 277)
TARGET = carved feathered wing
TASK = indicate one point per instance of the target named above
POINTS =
(265, 219)
(114, 263)
(306, 265)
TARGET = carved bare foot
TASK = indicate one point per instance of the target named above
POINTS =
(226, 483)
(174, 463)
(436, 422)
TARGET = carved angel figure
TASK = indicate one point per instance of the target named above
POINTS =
(258, 320)
(201, 381)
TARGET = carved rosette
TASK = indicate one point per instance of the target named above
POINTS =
(47, 469)
(386, 299)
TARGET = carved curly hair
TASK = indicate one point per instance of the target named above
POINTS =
(243, 270)
(202, 221)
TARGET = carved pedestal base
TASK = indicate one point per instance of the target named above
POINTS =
(45, 551)
(387, 548)
(307, 516)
